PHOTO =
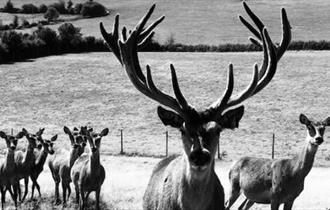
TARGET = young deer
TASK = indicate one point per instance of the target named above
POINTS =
(7, 167)
(279, 181)
(87, 173)
(189, 181)
(25, 160)
(40, 157)
(61, 162)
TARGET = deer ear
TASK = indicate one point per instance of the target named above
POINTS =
(3, 135)
(54, 138)
(41, 131)
(326, 122)
(169, 117)
(303, 119)
(104, 132)
(67, 130)
(231, 118)
(21, 134)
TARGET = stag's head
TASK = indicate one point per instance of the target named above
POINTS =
(200, 129)
(315, 129)
(11, 140)
(32, 138)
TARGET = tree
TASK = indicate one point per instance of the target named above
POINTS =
(9, 7)
(51, 14)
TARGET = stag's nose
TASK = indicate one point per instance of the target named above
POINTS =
(200, 158)
(319, 140)
(94, 149)
(12, 147)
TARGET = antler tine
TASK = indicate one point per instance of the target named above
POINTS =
(286, 30)
(128, 55)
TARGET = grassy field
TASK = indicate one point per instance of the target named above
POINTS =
(127, 178)
(92, 89)
(211, 21)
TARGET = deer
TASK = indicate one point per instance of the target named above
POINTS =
(87, 173)
(61, 162)
(40, 159)
(276, 181)
(24, 161)
(189, 181)
(7, 167)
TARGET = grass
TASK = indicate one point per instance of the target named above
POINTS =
(93, 89)
(211, 21)
(127, 178)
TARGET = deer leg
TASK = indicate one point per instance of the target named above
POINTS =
(64, 191)
(274, 205)
(38, 188)
(82, 201)
(247, 205)
(288, 205)
(97, 199)
(26, 183)
(3, 196)
(77, 193)
(69, 191)
(233, 194)
(15, 189)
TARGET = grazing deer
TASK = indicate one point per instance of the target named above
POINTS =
(189, 181)
(25, 160)
(40, 157)
(279, 181)
(7, 167)
(87, 173)
(61, 162)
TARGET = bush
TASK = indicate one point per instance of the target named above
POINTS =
(43, 8)
(48, 35)
(51, 14)
(60, 7)
(93, 9)
(30, 9)
(3, 52)
(15, 21)
(68, 31)
(9, 7)
(25, 23)
(77, 8)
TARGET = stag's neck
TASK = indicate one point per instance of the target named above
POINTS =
(199, 185)
(94, 162)
(305, 160)
(42, 157)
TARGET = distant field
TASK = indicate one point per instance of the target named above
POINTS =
(212, 21)
(93, 89)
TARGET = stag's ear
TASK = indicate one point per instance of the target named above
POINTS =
(326, 122)
(54, 138)
(231, 118)
(169, 117)
(104, 132)
(3, 135)
(304, 120)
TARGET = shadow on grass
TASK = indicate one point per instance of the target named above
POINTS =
(48, 203)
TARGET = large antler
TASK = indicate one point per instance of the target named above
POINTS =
(126, 52)
(261, 78)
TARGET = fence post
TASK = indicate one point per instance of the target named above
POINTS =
(121, 142)
(219, 157)
(273, 145)
(166, 136)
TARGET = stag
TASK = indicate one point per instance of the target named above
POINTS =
(188, 181)
(279, 181)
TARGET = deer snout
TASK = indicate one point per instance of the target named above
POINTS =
(319, 140)
(12, 147)
(94, 149)
(200, 158)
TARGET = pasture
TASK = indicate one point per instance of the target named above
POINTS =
(93, 89)
(207, 22)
